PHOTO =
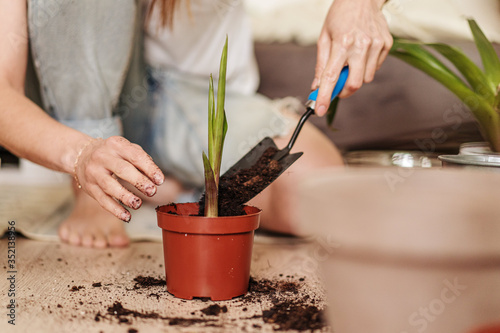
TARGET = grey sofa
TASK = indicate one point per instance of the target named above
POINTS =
(402, 108)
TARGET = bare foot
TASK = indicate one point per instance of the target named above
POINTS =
(90, 225)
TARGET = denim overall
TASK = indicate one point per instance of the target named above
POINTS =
(80, 52)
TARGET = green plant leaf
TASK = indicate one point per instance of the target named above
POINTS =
(220, 117)
(473, 74)
(417, 50)
(221, 90)
(489, 57)
(451, 81)
(211, 190)
(483, 99)
(332, 111)
(496, 103)
(224, 132)
(211, 120)
(483, 111)
(221, 134)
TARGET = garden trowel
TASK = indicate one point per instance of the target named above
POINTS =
(264, 163)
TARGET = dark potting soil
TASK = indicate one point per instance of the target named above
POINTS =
(265, 286)
(214, 310)
(123, 315)
(296, 313)
(154, 295)
(148, 281)
(76, 288)
(290, 308)
(240, 187)
(186, 322)
(119, 312)
(294, 316)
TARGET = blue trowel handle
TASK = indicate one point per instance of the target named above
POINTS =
(311, 100)
(311, 103)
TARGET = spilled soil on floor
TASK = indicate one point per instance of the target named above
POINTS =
(284, 306)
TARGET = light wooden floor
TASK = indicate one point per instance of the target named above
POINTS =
(47, 271)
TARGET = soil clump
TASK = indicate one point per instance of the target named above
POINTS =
(148, 281)
(214, 310)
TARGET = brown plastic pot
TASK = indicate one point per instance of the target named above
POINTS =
(206, 256)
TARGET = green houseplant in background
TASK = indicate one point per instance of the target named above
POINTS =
(207, 255)
(479, 89)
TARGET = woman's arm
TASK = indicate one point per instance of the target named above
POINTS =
(30, 133)
(355, 33)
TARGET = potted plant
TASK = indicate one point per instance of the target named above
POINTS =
(479, 90)
(420, 254)
(207, 255)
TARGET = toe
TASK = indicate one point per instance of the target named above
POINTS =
(116, 235)
(100, 241)
(118, 238)
(63, 233)
(88, 240)
(74, 238)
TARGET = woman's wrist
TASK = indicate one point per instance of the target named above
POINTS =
(73, 151)
(78, 158)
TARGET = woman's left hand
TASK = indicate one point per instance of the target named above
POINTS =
(101, 162)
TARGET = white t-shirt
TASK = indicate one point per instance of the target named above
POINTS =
(195, 42)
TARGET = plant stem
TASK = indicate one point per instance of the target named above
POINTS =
(211, 191)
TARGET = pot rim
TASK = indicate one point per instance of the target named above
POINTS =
(193, 224)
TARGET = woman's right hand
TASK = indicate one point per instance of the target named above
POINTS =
(100, 163)
(355, 34)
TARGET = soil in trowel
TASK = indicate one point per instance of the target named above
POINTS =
(239, 188)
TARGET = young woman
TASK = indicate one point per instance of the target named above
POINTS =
(78, 54)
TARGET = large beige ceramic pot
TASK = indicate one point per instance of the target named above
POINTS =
(406, 250)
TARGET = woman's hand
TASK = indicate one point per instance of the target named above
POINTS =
(355, 33)
(100, 163)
